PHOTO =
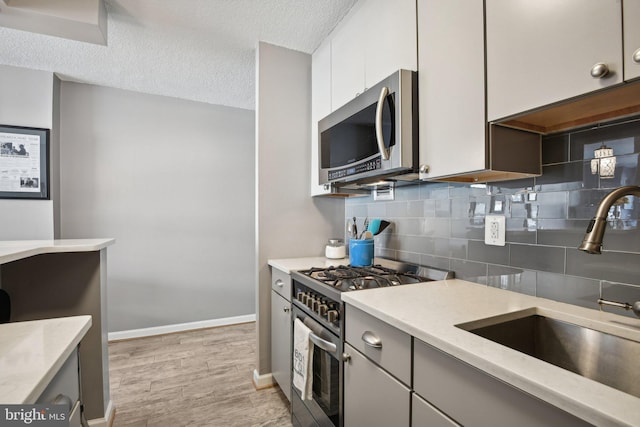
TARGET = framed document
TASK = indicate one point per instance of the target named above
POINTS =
(24, 163)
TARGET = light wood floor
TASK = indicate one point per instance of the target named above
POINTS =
(196, 379)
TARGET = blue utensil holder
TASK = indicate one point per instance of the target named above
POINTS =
(361, 252)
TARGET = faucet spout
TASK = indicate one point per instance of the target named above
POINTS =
(592, 242)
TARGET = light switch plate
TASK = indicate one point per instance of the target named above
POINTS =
(494, 230)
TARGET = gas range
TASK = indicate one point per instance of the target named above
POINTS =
(318, 290)
(317, 303)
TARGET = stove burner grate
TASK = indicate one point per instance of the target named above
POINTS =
(347, 278)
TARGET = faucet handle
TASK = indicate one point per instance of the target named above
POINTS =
(635, 307)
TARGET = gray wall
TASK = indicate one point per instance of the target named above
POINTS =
(443, 224)
(289, 222)
(173, 182)
(27, 98)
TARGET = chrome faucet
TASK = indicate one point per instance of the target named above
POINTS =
(592, 242)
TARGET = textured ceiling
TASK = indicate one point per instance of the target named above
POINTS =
(202, 50)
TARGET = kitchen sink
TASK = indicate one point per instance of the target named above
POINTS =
(602, 357)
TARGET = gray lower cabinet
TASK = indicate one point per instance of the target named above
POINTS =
(281, 330)
(423, 414)
(64, 389)
(372, 397)
(474, 398)
(377, 376)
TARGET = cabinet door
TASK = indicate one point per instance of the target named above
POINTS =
(372, 397)
(281, 342)
(631, 16)
(391, 40)
(542, 51)
(320, 106)
(451, 84)
(347, 55)
(424, 414)
(474, 398)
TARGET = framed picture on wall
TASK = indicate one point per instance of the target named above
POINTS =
(24, 162)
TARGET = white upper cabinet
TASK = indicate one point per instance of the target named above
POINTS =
(320, 107)
(375, 39)
(391, 40)
(631, 24)
(451, 84)
(543, 51)
(347, 55)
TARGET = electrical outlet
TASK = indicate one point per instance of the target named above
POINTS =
(494, 230)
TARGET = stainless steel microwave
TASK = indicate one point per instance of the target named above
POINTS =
(373, 136)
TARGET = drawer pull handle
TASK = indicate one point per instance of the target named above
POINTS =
(371, 339)
(63, 399)
(279, 283)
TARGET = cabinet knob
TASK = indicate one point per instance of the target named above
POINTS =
(279, 283)
(599, 70)
(286, 309)
(636, 56)
(346, 357)
(424, 169)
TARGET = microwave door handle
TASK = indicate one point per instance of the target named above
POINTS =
(323, 344)
(384, 151)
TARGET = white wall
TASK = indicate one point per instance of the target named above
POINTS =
(173, 182)
(289, 222)
(27, 99)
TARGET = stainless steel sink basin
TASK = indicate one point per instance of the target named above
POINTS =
(602, 357)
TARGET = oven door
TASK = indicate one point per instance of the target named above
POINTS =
(325, 408)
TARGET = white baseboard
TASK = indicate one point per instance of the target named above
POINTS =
(262, 381)
(107, 421)
(180, 327)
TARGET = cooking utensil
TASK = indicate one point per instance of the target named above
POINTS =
(366, 224)
(374, 226)
(383, 224)
(355, 229)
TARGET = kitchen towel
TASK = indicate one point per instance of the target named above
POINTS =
(302, 359)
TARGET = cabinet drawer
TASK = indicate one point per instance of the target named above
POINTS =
(393, 353)
(281, 283)
(472, 397)
(425, 415)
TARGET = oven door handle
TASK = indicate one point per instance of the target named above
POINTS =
(323, 344)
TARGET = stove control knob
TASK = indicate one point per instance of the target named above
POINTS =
(322, 309)
(332, 315)
(301, 296)
(310, 302)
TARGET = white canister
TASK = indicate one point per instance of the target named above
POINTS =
(335, 249)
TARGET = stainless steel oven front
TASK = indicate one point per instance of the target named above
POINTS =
(325, 407)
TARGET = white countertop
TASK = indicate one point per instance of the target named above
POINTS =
(13, 250)
(32, 352)
(288, 265)
(430, 311)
